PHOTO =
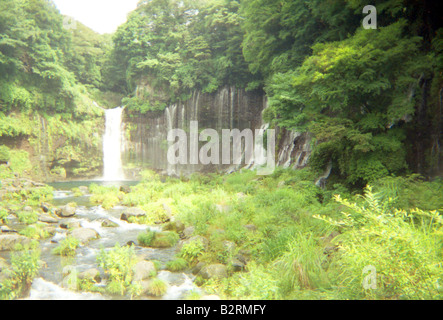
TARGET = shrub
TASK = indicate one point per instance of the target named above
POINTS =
(192, 250)
(3, 215)
(300, 265)
(177, 265)
(118, 264)
(27, 217)
(403, 247)
(36, 231)
(67, 247)
(24, 267)
(157, 287)
(257, 284)
(155, 239)
(4, 154)
(146, 238)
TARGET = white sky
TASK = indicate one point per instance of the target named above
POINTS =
(102, 16)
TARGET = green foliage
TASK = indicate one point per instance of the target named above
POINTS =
(106, 196)
(33, 68)
(177, 265)
(36, 231)
(3, 215)
(411, 192)
(192, 250)
(301, 264)
(157, 287)
(67, 247)
(404, 247)
(339, 96)
(27, 217)
(24, 267)
(259, 283)
(156, 239)
(118, 264)
(4, 154)
(19, 161)
(187, 46)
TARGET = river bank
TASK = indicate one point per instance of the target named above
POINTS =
(237, 236)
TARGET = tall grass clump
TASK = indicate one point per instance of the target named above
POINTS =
(403, 247)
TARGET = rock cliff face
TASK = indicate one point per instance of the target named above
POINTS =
(57, 149)
(229, 108)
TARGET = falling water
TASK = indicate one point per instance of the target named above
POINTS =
(112, 143)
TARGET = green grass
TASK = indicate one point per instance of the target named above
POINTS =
(67, 247)
(177, 265)
(157, 287)
(155, 239)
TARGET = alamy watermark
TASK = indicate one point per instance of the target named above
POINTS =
(370, 21)
(370, 281)
(69, 23)
(247, 147)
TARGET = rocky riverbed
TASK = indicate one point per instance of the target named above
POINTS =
(96, 229)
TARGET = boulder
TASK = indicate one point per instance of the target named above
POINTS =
(91, 274)
(188, 232)
(132, 212)
(6, 229)
(197, 268)
(84, 235)
(144, 270)
(168, 211)
(70, 225)
(46, 218)
(45, 207)
(214, 271)
(50, 230)
(237, 265)
(9, 241)
(176, 226)
(66, 211)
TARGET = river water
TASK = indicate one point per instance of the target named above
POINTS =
(49, 284)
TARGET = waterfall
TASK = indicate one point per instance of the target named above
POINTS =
(112, 146)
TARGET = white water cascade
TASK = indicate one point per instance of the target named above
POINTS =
(112, 146)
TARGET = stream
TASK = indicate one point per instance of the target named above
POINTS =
(48, 284)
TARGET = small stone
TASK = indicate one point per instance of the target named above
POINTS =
(237, 265)
(109, 224)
